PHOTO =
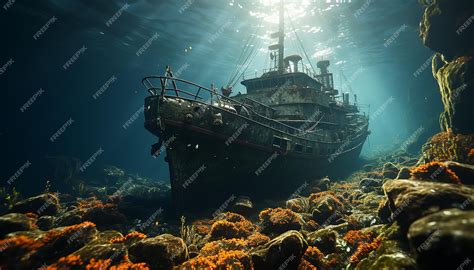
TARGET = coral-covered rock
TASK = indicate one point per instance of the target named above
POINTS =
(465, 172)
(390, 255)
(446, 146)
(370, 184)
(435, 171)
(443, 240)
(298, 205)
(44, 204)
(324, 205)
(231, 225)
(410, 200)
(14, 222)
(161, 252)
(325, 239)
(284, 251)
(102, 248)
(278, 220)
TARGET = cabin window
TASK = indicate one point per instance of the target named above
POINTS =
(298, 147)
(277, 142)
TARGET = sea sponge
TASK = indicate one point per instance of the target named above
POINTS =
(355, 237)
(214, 247)
(363, 249)
(278, 220)
(305, 265)
(233, 259)
(447, 146)
(128, 238)
(231, 225)
(257, 239)
(313, 255)
(66, 263)
(434, 171)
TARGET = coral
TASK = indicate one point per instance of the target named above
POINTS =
(257, 239)
(93, 202)
(67, 262)
(316, 197)
(98, 264)
(313, 255)
(202, 227)
(214, 247)
(231, 225)
(446, 146)
(435, 171)
(189, 233)
(129, 266)
(234, 259)
(363, 249)
(305, 265)
(279, 220)
(19, 245)
(130, 236)
(354, 237)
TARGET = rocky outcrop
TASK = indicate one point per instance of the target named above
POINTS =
(14, 222)
(285, 251)
(444, 240)
(162, 252)
(409, 200)
(446, 29)
(44, 204)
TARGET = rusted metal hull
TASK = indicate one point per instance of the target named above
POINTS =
(208, 163)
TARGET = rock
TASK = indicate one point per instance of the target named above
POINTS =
(284, 251)
(404, 173)
(389, 255)
(465, 172)
(14, 222)
(102, 248)
(243, 205)
(74, 216)
(444, 240)
(325, 205)
(410, 200)
(298, 205)
(324, 239)
(278, 220)
(440, 28)
(44, 204)
(369, 184)
(390, 170)
(162, 252)
(45, 223)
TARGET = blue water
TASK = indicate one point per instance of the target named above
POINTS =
(203, 38)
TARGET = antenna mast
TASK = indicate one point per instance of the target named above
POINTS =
(281, 38)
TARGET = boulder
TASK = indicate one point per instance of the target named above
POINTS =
(103, 248)
(243, 205)
(465, 172)
(369, 184)
(161, 252)
(324, 239)
(44, 204)
(283, 252)
(45, 223)
(390, 255)
(14, 222)
(278, 220)
(444, 240)
(409, 200)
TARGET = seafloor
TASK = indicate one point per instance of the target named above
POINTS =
(393, 214)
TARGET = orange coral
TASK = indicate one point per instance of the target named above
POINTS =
(313, 255)
(21, 244)
(279, 216)
(202, 227)
(55, 234)
(93, 203)
(132, 235)
(214, 247)
(305, 265)
(231, 225)
(315, 197)
(355, 237)
(129, 266)
(65, 263)
(364, 249)
(257, 239)
(98, 264)
(446, 146)
(435, 171)
(233, 259)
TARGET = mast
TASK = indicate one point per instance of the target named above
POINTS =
(281, 38)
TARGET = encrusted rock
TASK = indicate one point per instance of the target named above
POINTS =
(410, 200)
(44, 204)
(243, 205)
(284, 251)
(325, 239)
(278, 220)
(162, 252)
(14, 222)
(390, 255)
(444, 240)
(45, 223)
(103, 247)
(369, 184)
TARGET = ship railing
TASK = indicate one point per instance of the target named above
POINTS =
(175, 87)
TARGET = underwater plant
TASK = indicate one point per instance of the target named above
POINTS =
(8, 198)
